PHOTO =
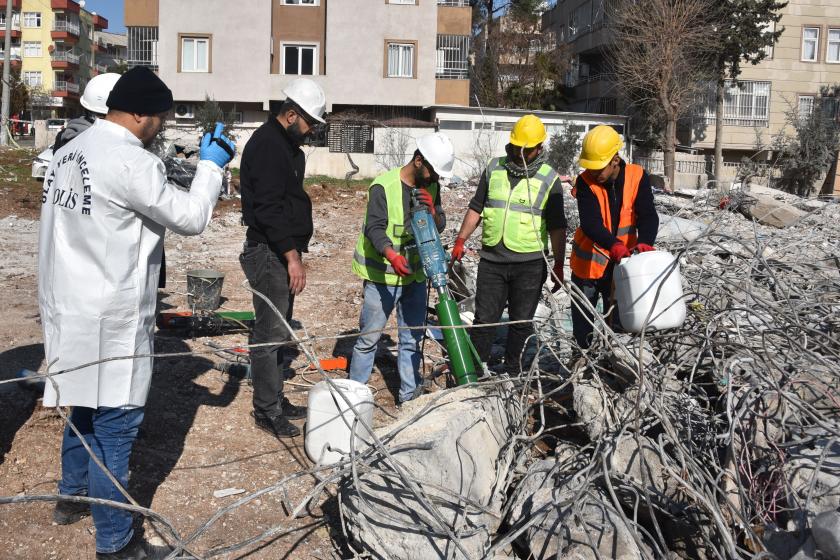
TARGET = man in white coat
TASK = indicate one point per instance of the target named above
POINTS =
(106, 207)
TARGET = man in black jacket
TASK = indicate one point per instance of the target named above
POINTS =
(278, 214)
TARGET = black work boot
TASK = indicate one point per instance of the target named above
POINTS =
(136, 549)
(291, 411)
(67, 513)
(278, 426)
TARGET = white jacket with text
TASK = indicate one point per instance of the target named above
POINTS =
(106, 207)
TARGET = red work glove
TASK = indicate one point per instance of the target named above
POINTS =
(425, 197)
(644, 248)
(398, 262)
(619, 251)
(558, 272)
(458, 250)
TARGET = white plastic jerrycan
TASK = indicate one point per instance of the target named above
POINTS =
(330, 419)
(649, 281)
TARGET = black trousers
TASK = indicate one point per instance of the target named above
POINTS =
(267, 274)
(593, 290)
(517, 285)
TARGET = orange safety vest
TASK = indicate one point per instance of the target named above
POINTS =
(588, 260)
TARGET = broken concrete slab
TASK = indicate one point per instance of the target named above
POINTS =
(624, 357)
(819, 464)
(455, 450)
(673, 228)
(569, 526)
(643, 467)
(769, 211)
(591, 410)
(826, 532)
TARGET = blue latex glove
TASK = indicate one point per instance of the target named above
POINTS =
(216, 147)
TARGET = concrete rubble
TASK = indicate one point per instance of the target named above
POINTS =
(456, 453)
(720, 439)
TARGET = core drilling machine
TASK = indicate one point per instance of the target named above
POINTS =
(435, 262)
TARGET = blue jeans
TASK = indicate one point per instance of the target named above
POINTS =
(380, 300)
(110, 433)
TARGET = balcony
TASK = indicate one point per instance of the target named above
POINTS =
(100, 23)
(65, 89)
(65, 30)
(15, 56)
(65, 60)
(65, 5)
(15, 28)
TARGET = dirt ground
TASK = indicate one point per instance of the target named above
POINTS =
(197, 436)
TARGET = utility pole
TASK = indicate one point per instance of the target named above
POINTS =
(7, 63)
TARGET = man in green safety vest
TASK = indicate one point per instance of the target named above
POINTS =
(520, 204)
(392, 273)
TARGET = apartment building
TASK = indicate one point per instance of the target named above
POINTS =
(53, 42)
(389, 58)
(582, 26)
(112, 50)
(806, 57)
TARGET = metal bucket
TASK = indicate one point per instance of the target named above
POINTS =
(204, 289)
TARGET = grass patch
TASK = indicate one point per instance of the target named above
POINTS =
(19, 192)
(353, 184)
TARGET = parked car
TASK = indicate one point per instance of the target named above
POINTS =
(56, 124)
(41, 162)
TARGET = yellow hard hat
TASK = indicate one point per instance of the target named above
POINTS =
(600, 145)
(528, 132)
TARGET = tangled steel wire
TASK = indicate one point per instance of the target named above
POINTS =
(706, 441)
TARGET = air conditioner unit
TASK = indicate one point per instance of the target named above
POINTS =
(184, 111)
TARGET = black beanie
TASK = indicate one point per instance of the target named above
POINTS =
(140, 91)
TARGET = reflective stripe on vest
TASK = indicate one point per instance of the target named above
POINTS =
(368, 263)
(588, 260)
(514, 214)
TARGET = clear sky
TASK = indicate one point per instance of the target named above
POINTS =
(112, 10)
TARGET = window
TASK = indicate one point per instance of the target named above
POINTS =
(300, 59)
(769, 27)
(810, 43)
(744, 104)
(32, 79)
(31, 19)
(32, 48)
(400, 60)
(402, 1)
(806, 106)
(195, 54)
(15, 19)
(350, 138)
(452, 57)
(142, 46)
(832, 54)
(455, 125)
(483, 125)
(301, 2)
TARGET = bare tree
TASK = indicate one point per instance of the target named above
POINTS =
(663, 57)
(393, 148)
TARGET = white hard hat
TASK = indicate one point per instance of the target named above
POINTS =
(96, 93)
(437, 149)
(309, 96)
